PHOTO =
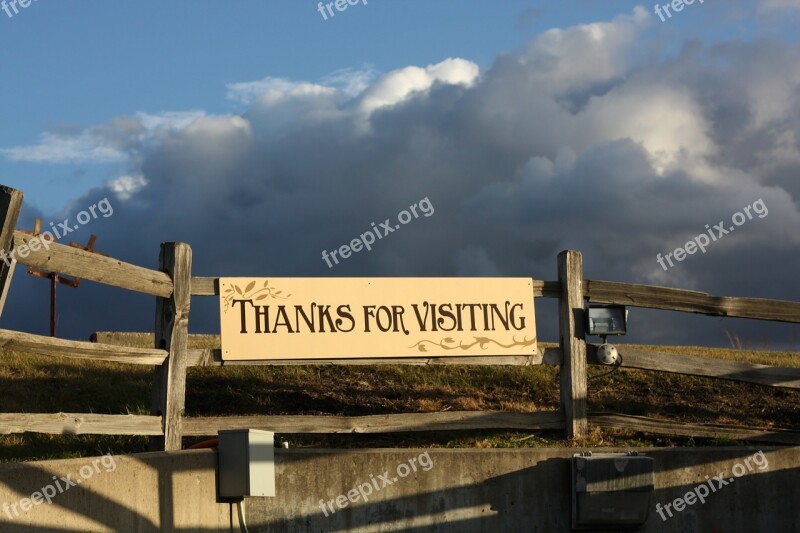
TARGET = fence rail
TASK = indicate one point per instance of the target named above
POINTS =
(80, 424)
(88, 265)
(670, 299)
(173, 285)
(770, 376)
(658, 426)
(14, 340)
(94, 424)
(392, 423)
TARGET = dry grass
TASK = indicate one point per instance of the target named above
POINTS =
(39, 384)
(761, 357)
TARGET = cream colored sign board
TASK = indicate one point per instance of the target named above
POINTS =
(338, 318)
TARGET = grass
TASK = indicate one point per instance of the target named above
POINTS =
(37, 384)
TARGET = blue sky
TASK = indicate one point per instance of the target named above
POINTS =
(265, 115)
(73, 64)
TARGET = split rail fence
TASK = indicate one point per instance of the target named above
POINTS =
(174, 286)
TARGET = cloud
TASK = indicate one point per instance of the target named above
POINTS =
(86, 146)
(125, 187)
(569, 142)
(352, 81)
(398, 86)
(167, 121)
(115, 142)
(274, 91)
(575, 57)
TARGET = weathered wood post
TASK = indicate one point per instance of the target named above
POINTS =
(172, 334)
(572, 338)
(10, 205)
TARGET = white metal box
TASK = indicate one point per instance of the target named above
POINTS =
(246, 463)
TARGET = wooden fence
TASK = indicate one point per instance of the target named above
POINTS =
(173, 286)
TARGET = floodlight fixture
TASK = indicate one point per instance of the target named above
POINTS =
(606, 319)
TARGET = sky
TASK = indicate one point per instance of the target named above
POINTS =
(264, 133)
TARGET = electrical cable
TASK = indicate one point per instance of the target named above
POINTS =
(616, 367)
(242, 523)
(210, 443)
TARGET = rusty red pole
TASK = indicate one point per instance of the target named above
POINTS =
(54, 278)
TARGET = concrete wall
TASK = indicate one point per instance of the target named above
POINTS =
(457, 491)
(142, 492)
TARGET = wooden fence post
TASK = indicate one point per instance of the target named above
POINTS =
(172, 334)
(572, 338)
(10, 205)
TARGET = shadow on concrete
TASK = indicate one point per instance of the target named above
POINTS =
(532, 494)
(105, 512)
(538, 498)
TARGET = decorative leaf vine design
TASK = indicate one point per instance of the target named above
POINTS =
(483, 342)
(250, 292)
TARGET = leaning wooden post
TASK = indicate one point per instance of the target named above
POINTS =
(10, 205)
(572, 338)
(172, 334)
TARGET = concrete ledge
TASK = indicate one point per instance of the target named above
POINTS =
(517, 490)
(143, 492)
(444, 490)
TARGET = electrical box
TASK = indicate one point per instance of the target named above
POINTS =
(611, 490)
(246, 463)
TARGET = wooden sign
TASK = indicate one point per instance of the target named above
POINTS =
(338, 318)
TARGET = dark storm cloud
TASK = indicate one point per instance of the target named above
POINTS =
(568, 143)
